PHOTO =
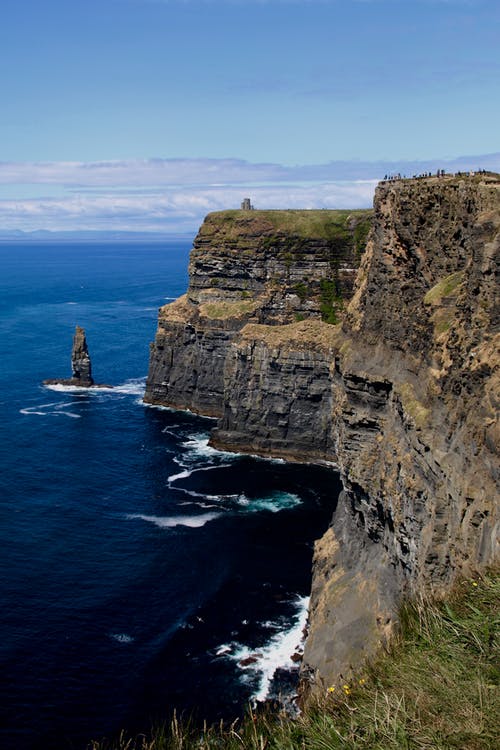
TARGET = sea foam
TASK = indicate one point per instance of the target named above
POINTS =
(274, 502)
(260, 664)
(198, 448)
(54, 409)
(132, 387)
(121, 637)
(168, 522)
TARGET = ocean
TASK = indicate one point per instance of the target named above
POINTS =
(141, 570)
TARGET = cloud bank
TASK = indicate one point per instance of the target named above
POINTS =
(174, 195)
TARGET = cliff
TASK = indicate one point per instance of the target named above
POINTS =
(270, 267)
(401, 396)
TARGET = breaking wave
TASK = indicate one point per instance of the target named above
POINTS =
(169, 522)
(197, 448)
(132, 387)
(283, 651)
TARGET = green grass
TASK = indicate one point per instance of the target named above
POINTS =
(331, 303)
(227, 308)
(447, 287)
(413, 407)
(437, 689)
(314, 223)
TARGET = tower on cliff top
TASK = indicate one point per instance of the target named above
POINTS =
(246, 205)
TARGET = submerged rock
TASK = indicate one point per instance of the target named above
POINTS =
(81, 366)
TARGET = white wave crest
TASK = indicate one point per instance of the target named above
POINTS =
(189, 472)
(262, 663)
(170, 430)
(78, 389)
(54, 409)
(168, 522)
(132, 387)
(198, 448)
(180, 475)
(274, 502)
(122, 637)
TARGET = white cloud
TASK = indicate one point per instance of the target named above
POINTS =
(173, 195)
(174, 210)
(170, 172)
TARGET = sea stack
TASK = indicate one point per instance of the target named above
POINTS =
(80, 360)
(81, 367)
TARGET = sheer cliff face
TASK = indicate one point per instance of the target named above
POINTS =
(250, 266)
(402, 397)
(409, 409)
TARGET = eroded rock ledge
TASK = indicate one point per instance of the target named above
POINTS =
(402, 396)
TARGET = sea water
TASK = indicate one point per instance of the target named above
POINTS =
(141, 571)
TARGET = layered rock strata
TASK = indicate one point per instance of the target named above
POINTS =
(402, 397)
(269, 267)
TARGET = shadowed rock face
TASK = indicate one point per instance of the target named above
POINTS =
(402, 396)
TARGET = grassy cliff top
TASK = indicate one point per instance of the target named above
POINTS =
(314, 223)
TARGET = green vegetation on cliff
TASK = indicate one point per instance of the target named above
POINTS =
(447, 287)
(437, 688)
(326, 224)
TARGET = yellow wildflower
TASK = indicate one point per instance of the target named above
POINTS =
(346, 689)
(331, 689)
(362, 681)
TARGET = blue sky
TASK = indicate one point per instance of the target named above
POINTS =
(146, 114)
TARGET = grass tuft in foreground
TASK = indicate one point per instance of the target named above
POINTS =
(438, 689)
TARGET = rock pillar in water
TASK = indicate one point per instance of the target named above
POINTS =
(81, 368)
(80, 359)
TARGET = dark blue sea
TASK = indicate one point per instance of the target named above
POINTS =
(141, 571)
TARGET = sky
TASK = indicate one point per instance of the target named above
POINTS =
(144, 115)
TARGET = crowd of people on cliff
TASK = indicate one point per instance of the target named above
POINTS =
(425, 175)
